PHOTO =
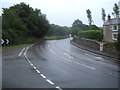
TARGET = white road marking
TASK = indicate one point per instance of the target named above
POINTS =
(80, 64)
(21, 52)
(49, 81)
(98, 57)
(34, 67)
(109, 65)
(31, 64)
(86, 54)
(48, 46)
(37, 71)
(52, 51)
(58, 88)
(103, 63)
(69, 56)
(43, 75)
(66, 54)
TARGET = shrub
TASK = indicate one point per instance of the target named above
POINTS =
(91, 34)
(75, 37)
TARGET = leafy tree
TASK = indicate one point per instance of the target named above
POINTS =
(89, 16)
(21, 22)
(58, 30)
(93, 27)
(103, 15)
(115, 10)
(75, 30)
(77, 23)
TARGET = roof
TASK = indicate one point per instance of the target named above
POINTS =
(114, 21)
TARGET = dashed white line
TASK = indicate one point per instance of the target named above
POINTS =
(58, 88)
(37, 71)
(21, 52)
(34, 67)
(31, 64)
(52, 51)
(49, 81)
(79, 63)
(43, 75)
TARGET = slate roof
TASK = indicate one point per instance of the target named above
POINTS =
(114, 21)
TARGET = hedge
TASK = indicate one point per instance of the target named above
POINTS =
(91, 34)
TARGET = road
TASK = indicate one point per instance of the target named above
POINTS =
(57, 64)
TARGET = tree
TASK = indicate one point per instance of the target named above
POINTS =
(89, 16)
(103, 15)
(21, 22)
(115, 10)
(77, 23)
(75, 30)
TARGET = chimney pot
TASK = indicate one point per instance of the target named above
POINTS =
(109, 17)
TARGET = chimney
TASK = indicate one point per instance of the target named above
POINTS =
(109, 17)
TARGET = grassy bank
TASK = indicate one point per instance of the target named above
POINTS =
(14, 47)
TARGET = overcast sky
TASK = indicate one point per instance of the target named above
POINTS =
(64, 12)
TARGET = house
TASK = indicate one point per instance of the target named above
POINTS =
(110, 29)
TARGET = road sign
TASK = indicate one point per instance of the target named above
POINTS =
(2, 41)
(7, 41)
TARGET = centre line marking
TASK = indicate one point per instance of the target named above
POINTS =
(52, 51)
(21, 52)
(50, 81)
(79, 64)
(42, 75)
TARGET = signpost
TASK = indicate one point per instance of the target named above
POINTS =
(101, 47)
(4, 42)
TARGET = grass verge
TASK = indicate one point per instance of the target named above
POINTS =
(14, 47)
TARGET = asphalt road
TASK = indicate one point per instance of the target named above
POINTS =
(57, 64)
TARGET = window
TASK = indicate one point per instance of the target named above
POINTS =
(115, 28)
(114, 36)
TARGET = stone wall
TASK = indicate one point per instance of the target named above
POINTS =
(88, 43)
(95, 45)
(109, 48)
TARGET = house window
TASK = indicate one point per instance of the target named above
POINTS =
(114, 36)
(115, 28)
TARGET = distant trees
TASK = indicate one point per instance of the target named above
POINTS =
(79, 26)
(103, 15)
(21, 22)
(89, 16)
(115, 10)
(56, 30)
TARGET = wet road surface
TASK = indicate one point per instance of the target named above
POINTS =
(58, 64)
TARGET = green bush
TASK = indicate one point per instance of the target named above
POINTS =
(75, 37)
(91, 34)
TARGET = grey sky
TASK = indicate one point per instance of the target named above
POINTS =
(64, 12)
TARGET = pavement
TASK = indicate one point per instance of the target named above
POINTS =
(59, 65)
(94, 51)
